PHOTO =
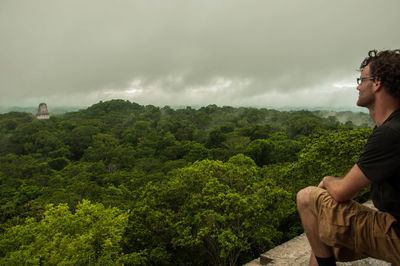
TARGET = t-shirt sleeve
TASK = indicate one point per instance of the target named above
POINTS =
(380, 158)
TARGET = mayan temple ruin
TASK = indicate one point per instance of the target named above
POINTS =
(42, 113)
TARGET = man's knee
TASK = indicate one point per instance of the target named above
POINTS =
(303, 198)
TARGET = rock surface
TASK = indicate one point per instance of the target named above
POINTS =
(297, 252)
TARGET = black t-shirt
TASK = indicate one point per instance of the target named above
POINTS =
(380, 162)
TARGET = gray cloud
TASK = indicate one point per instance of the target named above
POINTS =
(189, 52)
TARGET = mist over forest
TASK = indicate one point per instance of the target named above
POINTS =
(343, 114)
(122, 183)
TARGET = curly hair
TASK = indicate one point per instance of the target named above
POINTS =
(385, 66)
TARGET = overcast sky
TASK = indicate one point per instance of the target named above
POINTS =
(265, 53)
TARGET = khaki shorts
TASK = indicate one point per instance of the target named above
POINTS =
(353, 230)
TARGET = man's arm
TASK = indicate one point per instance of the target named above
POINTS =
(342, 189)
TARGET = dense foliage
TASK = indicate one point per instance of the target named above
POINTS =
(120, 183)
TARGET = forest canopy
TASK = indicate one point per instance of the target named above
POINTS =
(122, 183)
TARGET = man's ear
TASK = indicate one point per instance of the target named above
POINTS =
(377, 85)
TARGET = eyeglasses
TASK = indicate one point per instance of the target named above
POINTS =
(360, 80)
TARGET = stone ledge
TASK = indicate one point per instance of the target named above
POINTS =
(297, 252)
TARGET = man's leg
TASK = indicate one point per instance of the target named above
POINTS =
(310, 225)
(313, 260)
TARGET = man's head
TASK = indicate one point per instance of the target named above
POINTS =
(384, 66)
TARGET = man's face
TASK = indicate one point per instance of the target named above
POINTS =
(366, 97)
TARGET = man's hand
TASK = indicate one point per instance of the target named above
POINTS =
(321, 185)
(342, 189)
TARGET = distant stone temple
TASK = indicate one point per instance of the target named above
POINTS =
(42, 113)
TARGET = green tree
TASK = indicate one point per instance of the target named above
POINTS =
(215, 139)
(80, 139)
(277, 148)
(236, 144)
(92, 235)
(208, 210)
(303, 123)
(195, 152)
(101, 149)
(327, 153)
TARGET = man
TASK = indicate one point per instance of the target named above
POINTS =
(339, 228)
